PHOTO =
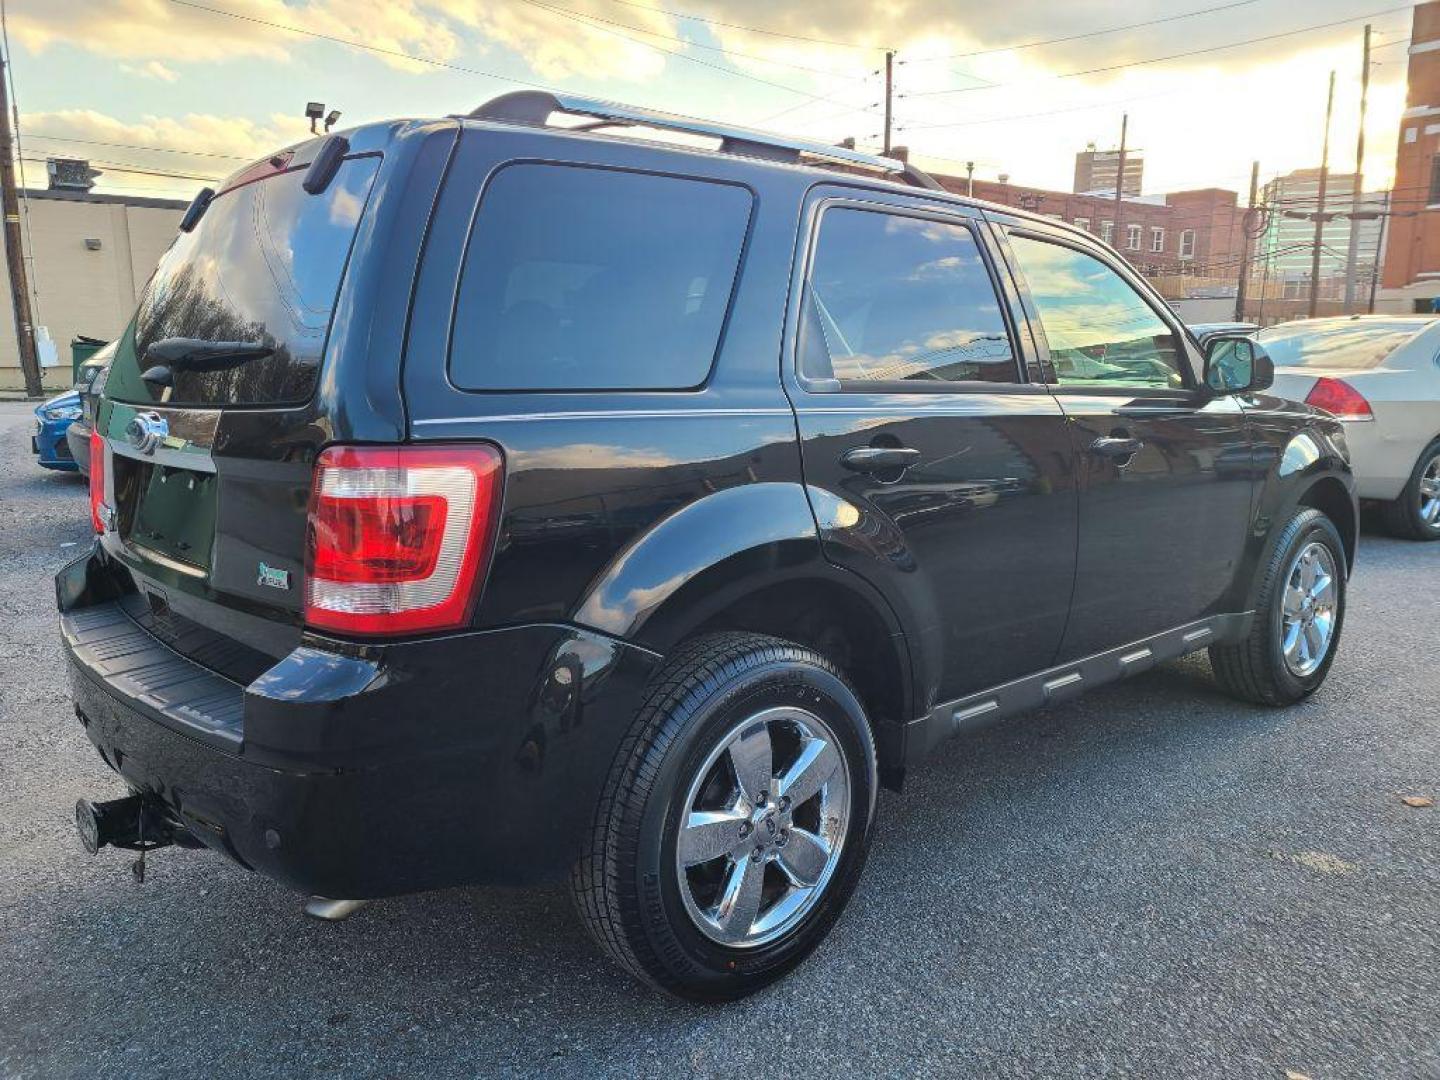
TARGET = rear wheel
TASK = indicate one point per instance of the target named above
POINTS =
(735, 819)
(1415, 515)
(1299, 612)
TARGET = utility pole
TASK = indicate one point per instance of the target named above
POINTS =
(1246, 228)
(1352, 254)
(14, 254)
(1379, 247)
(1120, 181)
(889, 93)
(1320, 203)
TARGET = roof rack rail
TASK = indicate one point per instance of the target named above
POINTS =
(535, 106)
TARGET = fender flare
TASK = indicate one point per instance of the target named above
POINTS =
(712, 553)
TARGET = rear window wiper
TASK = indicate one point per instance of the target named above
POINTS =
(172, 354)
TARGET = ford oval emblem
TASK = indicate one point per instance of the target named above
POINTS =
(146, 431)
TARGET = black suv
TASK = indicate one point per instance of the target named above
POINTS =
(541, 493)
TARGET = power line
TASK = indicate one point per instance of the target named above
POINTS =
(1046, 113)
(118, 167)
(351, 43)
(138, 146)
(753, 29)
(1078, 37)
(463, 69)
(692, 44)
(1162, 59)
(584, 20)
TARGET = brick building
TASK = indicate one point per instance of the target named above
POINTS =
(1187, 233)
(1411, 276)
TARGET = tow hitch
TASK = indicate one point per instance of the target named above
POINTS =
(134, 823)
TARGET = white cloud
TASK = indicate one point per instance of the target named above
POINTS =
(151, 69)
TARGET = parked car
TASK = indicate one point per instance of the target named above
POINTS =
(523, 501)
(47, 439)
(1380, 375)
(89, 383)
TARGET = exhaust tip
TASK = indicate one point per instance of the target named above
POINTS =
(87, 824)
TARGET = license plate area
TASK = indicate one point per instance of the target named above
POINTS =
(166, 511)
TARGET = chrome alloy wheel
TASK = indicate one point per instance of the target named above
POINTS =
(765, 821)
(1430, 494)
(1308, 619)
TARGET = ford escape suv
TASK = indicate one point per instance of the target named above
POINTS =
(538, 493)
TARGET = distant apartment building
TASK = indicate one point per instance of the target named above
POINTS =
(1287, 246)
(1196, 233)
(1096, 171)
(1411, 275)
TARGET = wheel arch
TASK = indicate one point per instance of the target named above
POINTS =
(749, 558)
(1331, 497)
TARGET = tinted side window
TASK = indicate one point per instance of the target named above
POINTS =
(579, 278)
(1101, 332)
(893, 298)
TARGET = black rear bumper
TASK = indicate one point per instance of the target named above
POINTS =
(360, 772)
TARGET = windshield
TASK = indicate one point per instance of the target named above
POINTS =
(1340, 346)
(262, 267)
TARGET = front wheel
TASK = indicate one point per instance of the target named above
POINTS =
(1299, 612)
(735, 819)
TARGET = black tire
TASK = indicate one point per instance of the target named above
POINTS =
(626, 884)
(1254, 669)
(1402, 517)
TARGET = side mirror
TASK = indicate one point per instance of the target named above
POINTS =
(1236, 364)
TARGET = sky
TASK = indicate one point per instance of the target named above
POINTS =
(199, 87)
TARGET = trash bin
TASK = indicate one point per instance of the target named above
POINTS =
(81, 349)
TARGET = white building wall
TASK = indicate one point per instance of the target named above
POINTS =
(77, 290)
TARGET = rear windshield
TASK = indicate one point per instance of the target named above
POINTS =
(263, 266)
(581, 278)
(1345, 346)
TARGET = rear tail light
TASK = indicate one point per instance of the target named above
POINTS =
(97, 481)
(1340, 398)
(399, 536)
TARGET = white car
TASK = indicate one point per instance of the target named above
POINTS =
(1381, 374)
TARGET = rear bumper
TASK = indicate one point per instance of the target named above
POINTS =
(1381, 458)
(51, 446)
(358, 773)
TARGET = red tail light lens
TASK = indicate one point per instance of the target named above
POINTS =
(1340, 398)
(398, 537)
(97, 481)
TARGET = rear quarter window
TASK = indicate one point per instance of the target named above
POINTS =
(581, 278)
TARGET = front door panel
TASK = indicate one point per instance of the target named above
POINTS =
(1162, 532)
(1164, 464)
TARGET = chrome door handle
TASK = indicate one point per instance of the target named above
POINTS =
(869, 459)
(1115, 446)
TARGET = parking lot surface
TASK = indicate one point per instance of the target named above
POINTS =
(1152, 881)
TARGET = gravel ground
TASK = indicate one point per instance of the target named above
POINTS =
(1152, 881)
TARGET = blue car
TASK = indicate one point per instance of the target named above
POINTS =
(52, 420)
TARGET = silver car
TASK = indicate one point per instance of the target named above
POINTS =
(1380, 374)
